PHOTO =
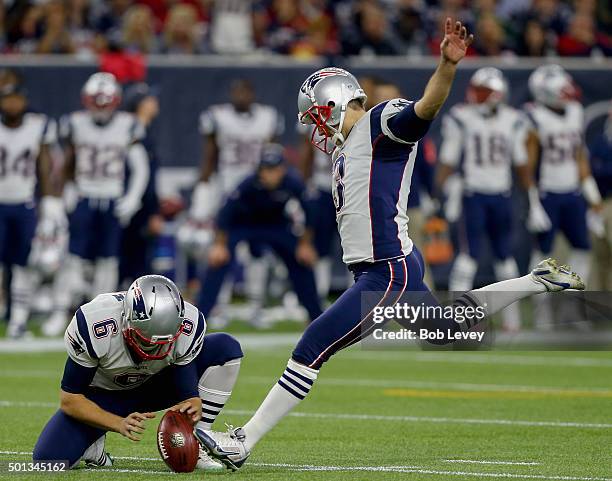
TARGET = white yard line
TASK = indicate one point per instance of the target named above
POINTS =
(391, 383)
(478, 358)
(377, 417)
(478, 461)
(393, 469)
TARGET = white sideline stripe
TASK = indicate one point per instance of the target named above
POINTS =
(417, 419)
(310, 467)
(432, 384)
(477, 358)
(478, 461)
(376, 417)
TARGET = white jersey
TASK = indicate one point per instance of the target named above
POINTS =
(240, 137)
(371, 174)
(94, 339)
(486, 146)
(560, 136)
(101, 151)
(321, 165)
(19, 151)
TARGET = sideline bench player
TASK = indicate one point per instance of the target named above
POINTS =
(373, 158)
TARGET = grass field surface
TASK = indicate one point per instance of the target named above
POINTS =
(373, 415)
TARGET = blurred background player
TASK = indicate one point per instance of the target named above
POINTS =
(483, 139)
(146, 224)
(257, 211)
(556, 150)
(101, 143)
(601, 163)
(234, 134)
(25, 166)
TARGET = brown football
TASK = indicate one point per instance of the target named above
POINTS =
(176, 443)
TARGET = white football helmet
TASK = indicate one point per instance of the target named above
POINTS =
(322, 101)
(194, 238)
(49, 247)
(101, 95)
(488, 87)
(552, 86)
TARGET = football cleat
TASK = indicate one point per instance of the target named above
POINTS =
(555, 277)
(206, 463)
(228, 447)
(95, 455)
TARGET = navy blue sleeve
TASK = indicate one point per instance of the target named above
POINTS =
(186, 380)
(407, 125)
(77, 378)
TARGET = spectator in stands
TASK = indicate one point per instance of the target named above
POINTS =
(108, 21)
(79, 25)
(138, 30)
(582, 39)
(534, 41)
(373, 35)
(284, 25)
(231, 26)
(320, 37)
(181, 33)
(409, 25)
(56, 37)
(490, 36)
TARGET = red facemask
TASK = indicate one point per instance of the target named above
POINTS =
(319, 115)
(481, 95)
(136, 341)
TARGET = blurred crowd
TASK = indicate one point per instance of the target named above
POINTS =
(303, 28)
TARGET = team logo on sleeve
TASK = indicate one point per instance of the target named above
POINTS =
(76, 345)
(187, 327)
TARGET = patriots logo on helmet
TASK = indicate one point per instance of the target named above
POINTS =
(139, 310)
(316, 77)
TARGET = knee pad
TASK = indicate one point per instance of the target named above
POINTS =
(222, 347)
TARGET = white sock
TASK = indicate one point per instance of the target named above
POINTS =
(215, 388)
(462, 274)
(20, 299)
(106, 275)
(67, 282)
(511, 315)
(291, 388)
(580, 262)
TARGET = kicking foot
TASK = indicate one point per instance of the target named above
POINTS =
(206, 463)
(228, 448)
(555, 277)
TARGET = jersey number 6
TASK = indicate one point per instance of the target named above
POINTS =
(339, 184)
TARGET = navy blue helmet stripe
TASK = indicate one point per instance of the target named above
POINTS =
(84, 333)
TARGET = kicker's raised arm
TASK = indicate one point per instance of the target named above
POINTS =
(452, 49)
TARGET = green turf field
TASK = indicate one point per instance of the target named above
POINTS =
(375, 415)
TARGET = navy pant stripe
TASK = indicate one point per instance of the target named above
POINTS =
(335, 346)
